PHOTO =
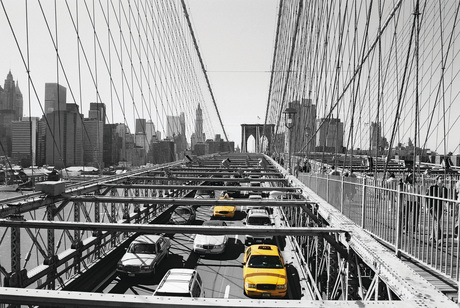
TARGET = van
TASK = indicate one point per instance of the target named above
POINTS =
(182, 282)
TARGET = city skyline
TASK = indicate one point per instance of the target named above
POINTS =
(63, 136)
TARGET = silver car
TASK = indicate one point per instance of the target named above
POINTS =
(210, 244)
(258, 217)
(143, 255)
(183, 215)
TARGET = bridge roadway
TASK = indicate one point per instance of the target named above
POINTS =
(223, 276)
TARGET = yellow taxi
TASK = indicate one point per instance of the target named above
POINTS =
(224, 211)
(264, 272)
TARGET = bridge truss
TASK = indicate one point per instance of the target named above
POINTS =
(73, 240)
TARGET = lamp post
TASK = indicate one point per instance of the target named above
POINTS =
(289, 114)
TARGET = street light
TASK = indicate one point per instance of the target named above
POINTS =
(289, 114)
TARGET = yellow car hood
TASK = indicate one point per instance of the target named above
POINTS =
(265, 275)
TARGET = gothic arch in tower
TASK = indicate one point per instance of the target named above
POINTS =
(259, 132)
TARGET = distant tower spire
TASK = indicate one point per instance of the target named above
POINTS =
(199, 124)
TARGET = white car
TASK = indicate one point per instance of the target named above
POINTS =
(258, 217)
(143, 255)
(183, 282)
(210, 244)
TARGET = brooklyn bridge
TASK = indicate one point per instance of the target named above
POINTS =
(346, 192)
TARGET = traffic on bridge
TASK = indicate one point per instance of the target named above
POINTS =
(279, 243)
(236, 153)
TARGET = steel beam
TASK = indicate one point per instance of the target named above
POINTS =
(51, 298)
(203, 187)
(185, 179)
(212, 171)
(162, 228)
(190, 201)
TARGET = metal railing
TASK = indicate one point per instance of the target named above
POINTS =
(398, 214)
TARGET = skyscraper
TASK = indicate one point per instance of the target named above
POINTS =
(198, 136)
(64, 129)
(97, 111)
(201, 137)
(149, 130)
(140, 126)
(93, 135)
(173, 126)
(330, 135)
(11, 108)
(199, 125)
(11, 97)
(24, 141)
(55, 97)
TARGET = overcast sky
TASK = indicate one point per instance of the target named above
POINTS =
(236, 39)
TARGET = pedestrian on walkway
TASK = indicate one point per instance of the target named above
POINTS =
(435, 205)
(391, 195)
(456, 207)
(411, 208)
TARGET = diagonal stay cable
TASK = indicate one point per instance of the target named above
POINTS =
(202, 66)
(360, 65)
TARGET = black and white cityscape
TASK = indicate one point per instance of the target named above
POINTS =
(65, 137)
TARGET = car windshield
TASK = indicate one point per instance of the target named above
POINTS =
(260, 221)
(204, 192)
(265, 262)
(142, 248)
(182, 211)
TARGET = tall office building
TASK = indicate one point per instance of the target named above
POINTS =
(24, 141)
(112, 145)
(173, 126)
(330, 135)
(93, 135)
(304, 127)
(64, 130)
(200, 137)
(182, 123)
(97, 111)
(149, 130)
(144, 133)
(41, 142)
(123, 132)
(93, 142)
(11, 108)
(55, 97)
(140, 126)
(375, 135)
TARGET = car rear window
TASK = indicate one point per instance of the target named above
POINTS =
(142, 248)
(182, 211)
(259, 221)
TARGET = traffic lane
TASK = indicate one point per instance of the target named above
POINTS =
(145, 284)
(222, 274)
